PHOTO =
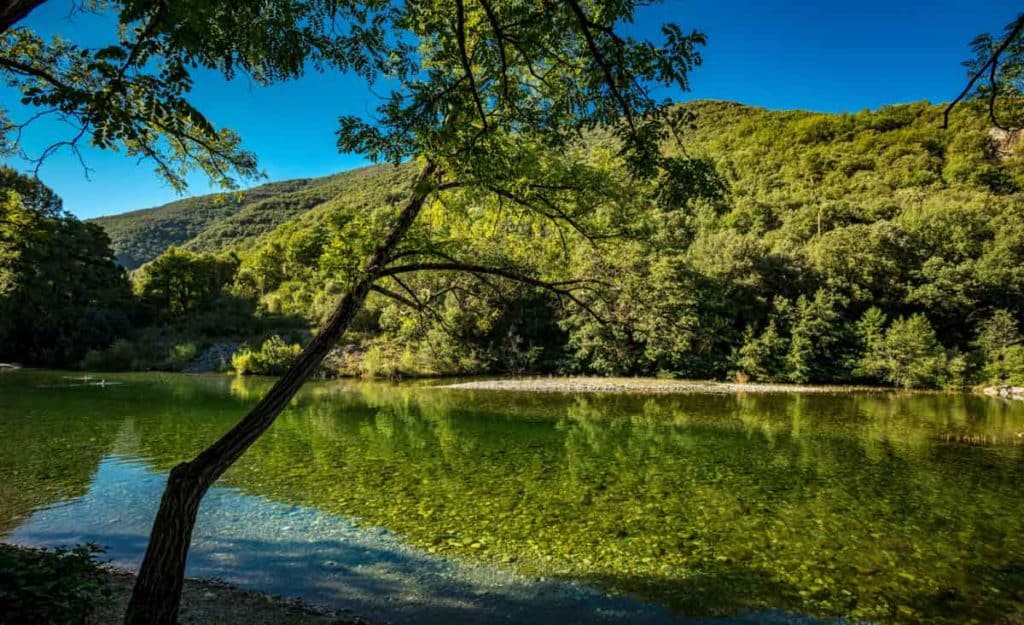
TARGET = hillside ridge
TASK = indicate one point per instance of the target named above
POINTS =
(214, 221)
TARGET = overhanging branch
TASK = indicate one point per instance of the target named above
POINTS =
(13, 11)
(561, 289)
(398, 297)
(990, 67)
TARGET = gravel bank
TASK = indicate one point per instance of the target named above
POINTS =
(206, 601)
(641, 385)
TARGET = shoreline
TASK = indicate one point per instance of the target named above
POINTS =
(593, 384)
(582, 384)
(327, 560)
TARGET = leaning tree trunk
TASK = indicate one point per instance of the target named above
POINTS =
(157, 591)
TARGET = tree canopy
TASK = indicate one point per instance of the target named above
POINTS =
(61, 291)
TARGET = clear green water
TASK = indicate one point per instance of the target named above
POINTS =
(883, 507)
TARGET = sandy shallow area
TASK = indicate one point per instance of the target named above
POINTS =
(642, 385)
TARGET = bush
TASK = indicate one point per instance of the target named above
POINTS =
(182, 354)
(39, 586)
(380, 361)
(272, 358)
(761, 356)
(144, 351)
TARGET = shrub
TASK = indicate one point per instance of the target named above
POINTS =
(243, 361)
(957, 370)
(143, 352)
(379, 361)
(761, 356)
(272, 358)
(62, 586)
(182, 354)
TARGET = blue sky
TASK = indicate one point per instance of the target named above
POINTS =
(825, 55)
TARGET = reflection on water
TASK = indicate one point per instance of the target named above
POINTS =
(868, 506)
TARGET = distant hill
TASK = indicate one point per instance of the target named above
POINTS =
(224, 220)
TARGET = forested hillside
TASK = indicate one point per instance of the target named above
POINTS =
(869, 247)
(222, 220)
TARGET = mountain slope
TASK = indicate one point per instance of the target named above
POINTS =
(221, 220)
(776, 162)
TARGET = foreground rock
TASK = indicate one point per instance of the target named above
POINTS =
(641, 385)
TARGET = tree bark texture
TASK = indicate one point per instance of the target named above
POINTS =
(13, 11)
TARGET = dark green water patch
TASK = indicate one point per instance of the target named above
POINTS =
(858, 505)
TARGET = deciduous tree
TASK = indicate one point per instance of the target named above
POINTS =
(489, 98)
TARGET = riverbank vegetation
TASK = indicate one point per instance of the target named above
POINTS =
(873, 247)
(61, 291)
(61, 586)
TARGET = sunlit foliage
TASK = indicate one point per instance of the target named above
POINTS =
(816, 219)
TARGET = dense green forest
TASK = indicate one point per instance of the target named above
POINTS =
(222, 220)
(873, 247)
(61, 291)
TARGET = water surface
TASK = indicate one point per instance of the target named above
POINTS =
(879, 507)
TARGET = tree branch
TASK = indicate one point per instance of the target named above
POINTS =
(14, 11)
(413, 303)
(147, 32)
(560, 288)
(499, 36)
(609, 76)
(460, 34)
(990, 65)
(553, 213)
(28, 70)
(398, 297)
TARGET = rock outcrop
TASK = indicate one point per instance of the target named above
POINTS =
(1006, 392)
